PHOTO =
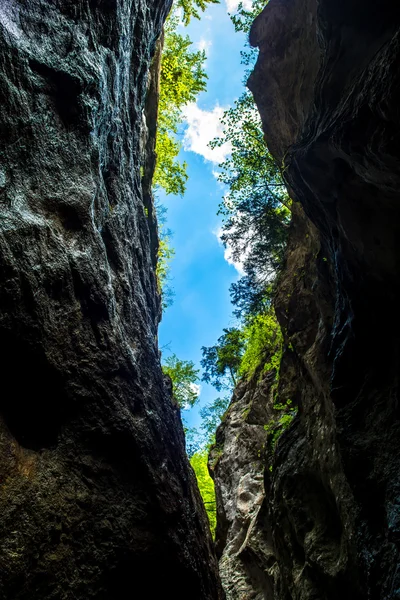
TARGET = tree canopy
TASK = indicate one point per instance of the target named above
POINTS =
(256, 210)
(182, 78)
(192, 8)
(221, 362)
(184, 377)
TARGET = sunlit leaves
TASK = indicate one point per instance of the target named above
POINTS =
(184, 377)
(192, 8)
(221, 362)
(182, 78)
(263, 339)
(206, 486)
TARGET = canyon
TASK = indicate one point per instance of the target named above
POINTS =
(97, 498)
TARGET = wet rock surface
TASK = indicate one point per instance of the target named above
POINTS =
(327, 86)
(97, 499)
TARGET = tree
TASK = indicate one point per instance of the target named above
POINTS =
(206, 486)
(164, 257)
(250, 295)
(244, 17)
(199, 440)
(263, 344)
(184, 377)
(221, 362)
(256, 210)
(182, 78)
(190, 8)
(211, 415)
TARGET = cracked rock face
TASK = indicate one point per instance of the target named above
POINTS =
(237, 464)
(96, 496)
(327, 87)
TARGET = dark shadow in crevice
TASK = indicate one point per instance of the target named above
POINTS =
(32, 401)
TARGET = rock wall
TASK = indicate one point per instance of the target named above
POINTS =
(97, 499)
(237, 462)
(327, 87)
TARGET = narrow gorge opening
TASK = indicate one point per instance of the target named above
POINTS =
(224, 198)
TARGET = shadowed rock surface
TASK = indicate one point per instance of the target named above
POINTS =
(327, 84)
(97, 499)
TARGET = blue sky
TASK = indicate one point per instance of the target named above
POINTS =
(200, 272)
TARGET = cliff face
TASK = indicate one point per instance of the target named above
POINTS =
(237, 464)
(327, 87)
(96, 496)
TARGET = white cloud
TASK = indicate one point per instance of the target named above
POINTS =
(228, 253)
(196, 388)
(178, 12)
(231, 5)
(204, 44)
(204, 126)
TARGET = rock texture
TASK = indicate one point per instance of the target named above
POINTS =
(97, 499)
(327, 87)
(237, 463)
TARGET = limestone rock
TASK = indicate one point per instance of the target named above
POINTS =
(236, 463)
(97, 499)
(327, 86)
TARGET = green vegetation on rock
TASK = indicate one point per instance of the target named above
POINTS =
(206, 486)
(263, 344)
(274, 428)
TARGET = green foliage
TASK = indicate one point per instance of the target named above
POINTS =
(243, 18)
(206, 487)
(184, 377)
(211, 416)
(170, 174)
(221, 362)
(242, 21)
(256, 211)
(191, 8)
(276, 427)
(263, 339)
(164, 257)
(199, 440)
(182, 78)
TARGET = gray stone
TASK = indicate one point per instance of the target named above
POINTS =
(327, 87)
(97, 499)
